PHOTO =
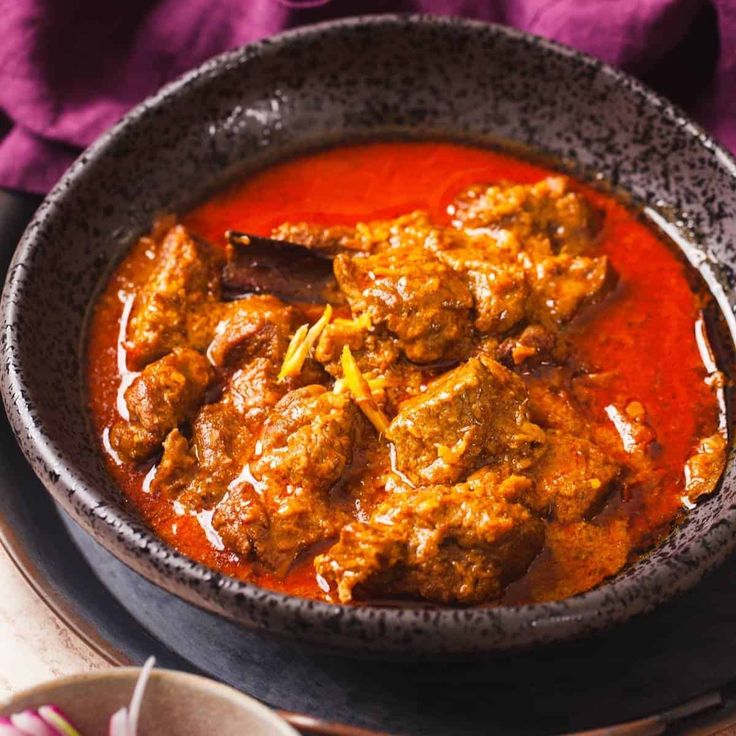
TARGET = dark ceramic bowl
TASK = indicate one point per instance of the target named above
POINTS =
(361, 78)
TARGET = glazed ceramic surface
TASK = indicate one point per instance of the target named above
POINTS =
(174, 702)
(351, 80)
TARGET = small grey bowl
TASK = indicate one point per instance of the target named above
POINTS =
(173, 703)
(357, 79)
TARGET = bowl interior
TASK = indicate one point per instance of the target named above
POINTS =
(347, 81)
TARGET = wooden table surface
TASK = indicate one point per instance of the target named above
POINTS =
(34, 645)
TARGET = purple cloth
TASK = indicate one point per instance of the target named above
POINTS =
(71, 68)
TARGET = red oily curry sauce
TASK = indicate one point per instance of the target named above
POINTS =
(639, 346)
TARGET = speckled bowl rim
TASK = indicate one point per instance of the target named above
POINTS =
(119, 531)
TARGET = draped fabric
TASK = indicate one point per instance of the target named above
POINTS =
(70, 68)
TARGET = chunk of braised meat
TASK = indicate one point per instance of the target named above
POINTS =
(177, 468)
(409, 230)
(177, 305)
(465, 418)
(500, 289)
(534, 345)
(562, 284)
(488, 262)
(401, 381)
(261, 265)
(308, 437)
(420, 300)
(553, 229)
(391, 377)
(584, 554)
(500, 292)
(328, 241)
(552, 404)
(222, 441)
(449, 544)
(495, 273)
(197, 472)
(572, 478)
(275, 532)
(253, 327)
(254, 390)
(306, 444)
(242, 521)
(338, 334)
(704, 467)
(546, 209)
(249, 346)
(406, 231)
(167, 393)
(224, 434)
(372, 351)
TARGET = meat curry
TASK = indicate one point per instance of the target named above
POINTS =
(408, 372)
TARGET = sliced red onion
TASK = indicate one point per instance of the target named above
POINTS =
(8, 729)
(119, 723)
(137, 699)
(57, 719)
(31, 724)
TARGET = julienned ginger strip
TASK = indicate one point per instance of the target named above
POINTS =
(301, 345)
(361, 391)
